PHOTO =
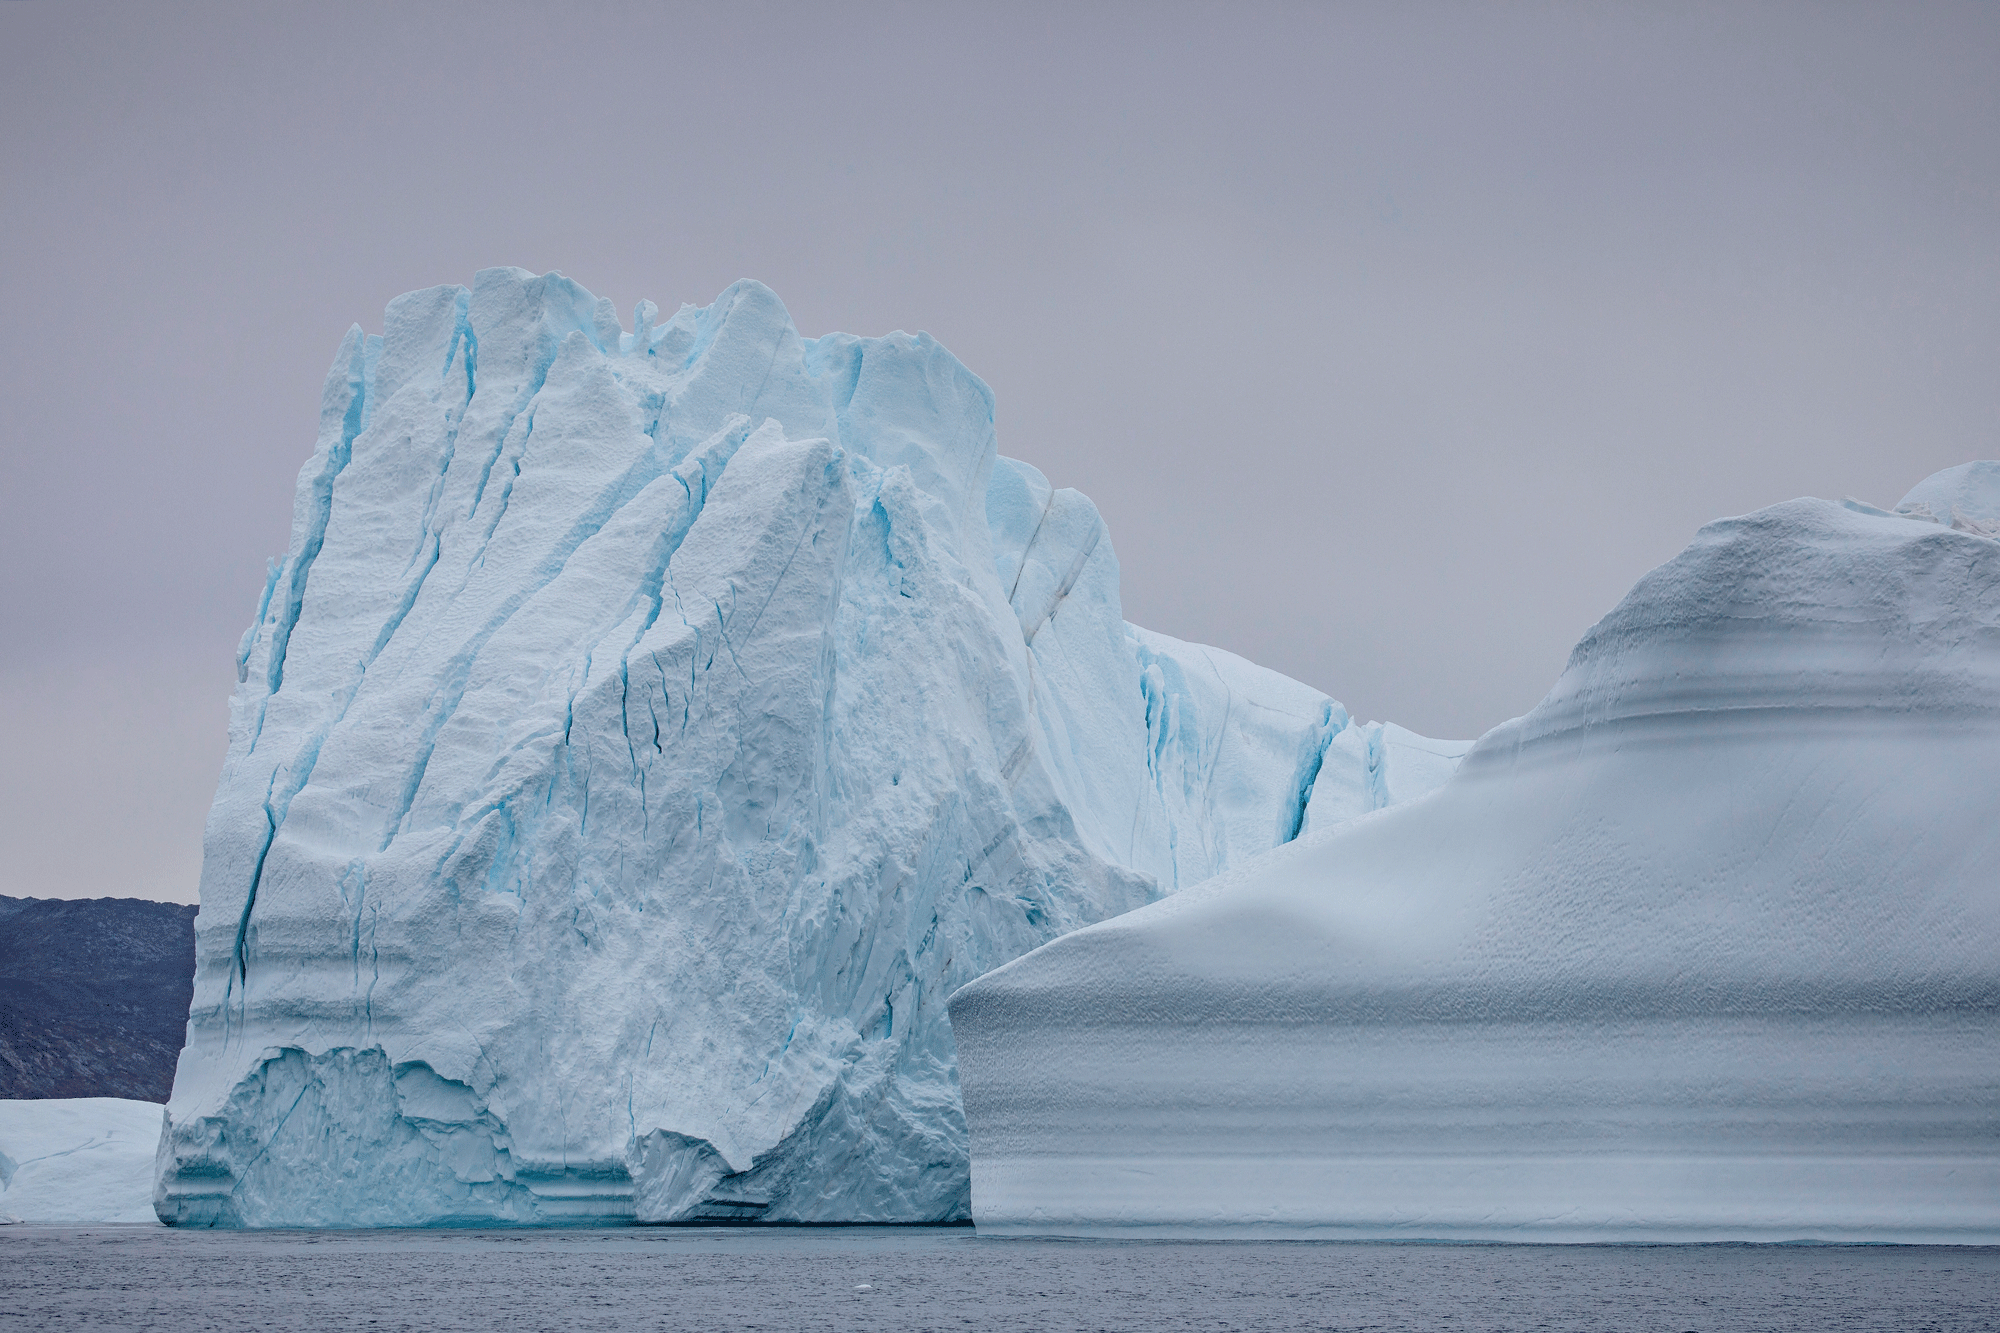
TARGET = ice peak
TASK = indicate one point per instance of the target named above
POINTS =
(1966, 497)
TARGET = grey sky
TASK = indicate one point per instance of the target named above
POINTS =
(1393, 341)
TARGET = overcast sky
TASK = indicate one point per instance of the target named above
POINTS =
(1394, 342)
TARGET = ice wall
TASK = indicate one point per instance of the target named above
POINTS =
(643, 735)
(1704, 947)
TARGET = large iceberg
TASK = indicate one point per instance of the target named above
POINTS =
(1704, 947)
(644, 734)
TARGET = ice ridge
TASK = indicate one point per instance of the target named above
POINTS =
(643, 734)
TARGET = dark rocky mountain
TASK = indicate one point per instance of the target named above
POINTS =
(93, 996)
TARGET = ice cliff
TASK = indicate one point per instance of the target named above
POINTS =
(1704, 947)
(644, 733)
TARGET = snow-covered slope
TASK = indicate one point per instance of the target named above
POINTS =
(1707, 945)
(78, 1159)
(643, 735)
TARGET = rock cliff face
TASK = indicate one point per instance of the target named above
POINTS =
(1704, 947)
(93, 996)
(643, 735)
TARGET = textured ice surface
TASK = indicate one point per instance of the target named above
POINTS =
(78, 1159)
(1705, 946)
(643, 735)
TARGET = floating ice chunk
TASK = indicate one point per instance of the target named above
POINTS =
(78, 1159)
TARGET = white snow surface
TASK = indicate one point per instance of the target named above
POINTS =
(643, 735)
(78, 1159)
(1704, 947)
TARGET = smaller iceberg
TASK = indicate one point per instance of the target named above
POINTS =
(78, 1159)
(1705, 947)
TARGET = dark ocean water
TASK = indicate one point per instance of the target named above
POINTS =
(137, 1278)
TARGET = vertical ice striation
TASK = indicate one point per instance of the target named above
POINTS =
(643, 735)
(1704, 947)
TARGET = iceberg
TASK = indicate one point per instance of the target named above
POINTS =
(78, 1159)
(644, 733)
(1706, 946)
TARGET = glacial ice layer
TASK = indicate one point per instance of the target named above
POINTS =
(1704, 947)
(642, 736)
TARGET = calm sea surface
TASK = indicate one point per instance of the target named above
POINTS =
(133, 1278)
